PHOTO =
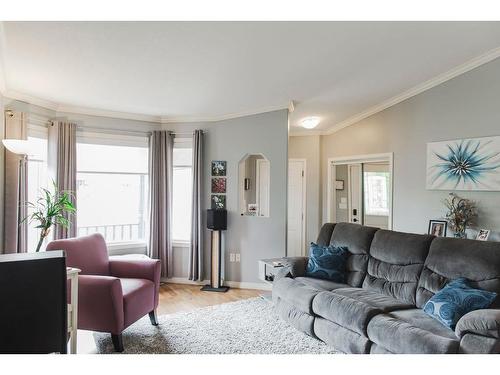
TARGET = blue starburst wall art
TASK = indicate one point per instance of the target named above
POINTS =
(464, 164)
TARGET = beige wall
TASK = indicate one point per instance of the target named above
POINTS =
(466, 106)
(308, 147)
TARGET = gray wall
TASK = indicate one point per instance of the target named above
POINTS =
(466, 106)
(253, 237)
(308, 147)
(341, 214)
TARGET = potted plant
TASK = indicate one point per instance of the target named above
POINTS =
(461, 214)
(50, 209)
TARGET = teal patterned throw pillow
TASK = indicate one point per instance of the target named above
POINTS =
(455, 300)
(327, 262)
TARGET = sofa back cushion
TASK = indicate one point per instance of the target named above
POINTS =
(325, 234)
(357, 239)
(396, 261)
(452, 258)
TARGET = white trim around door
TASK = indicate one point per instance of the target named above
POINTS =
(304, 205)
(366, 158)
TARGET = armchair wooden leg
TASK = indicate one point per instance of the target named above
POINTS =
(153, 318)
(117, 342)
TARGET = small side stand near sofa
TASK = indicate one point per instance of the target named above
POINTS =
(391, 275)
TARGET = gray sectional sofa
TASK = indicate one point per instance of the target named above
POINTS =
(391, 275)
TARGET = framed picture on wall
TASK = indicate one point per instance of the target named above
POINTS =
(218, 168)
(219, 185)
(438, 228)
(218, 201)
(339, 184)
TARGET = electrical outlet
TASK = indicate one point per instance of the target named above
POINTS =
(237, 257)
(231, 257)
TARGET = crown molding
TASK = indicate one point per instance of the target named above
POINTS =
(304, 133)
(169, 120)
(418, 89)
(60, 108)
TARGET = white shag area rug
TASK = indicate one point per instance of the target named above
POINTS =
(245, 327)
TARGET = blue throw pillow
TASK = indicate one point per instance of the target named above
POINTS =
(455, 300)
(327, 262)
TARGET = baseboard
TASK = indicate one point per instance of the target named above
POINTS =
(231, 284)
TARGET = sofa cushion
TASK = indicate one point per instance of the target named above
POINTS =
(340, 338)
(412, 331)
(300, 292)
(357, 239)
(327, 262)
(320, 284)
(395, 263)
(325, 234)
(451, 258)
(353, 308)
(455, 300)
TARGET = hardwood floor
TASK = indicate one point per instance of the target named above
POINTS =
(183, 297)
(176, 298)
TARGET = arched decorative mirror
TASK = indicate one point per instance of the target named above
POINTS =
(254, 185)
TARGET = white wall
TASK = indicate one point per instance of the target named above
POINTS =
(466, 106)
(308, 147)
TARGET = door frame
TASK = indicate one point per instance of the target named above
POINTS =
(331, 200)
(304, 202)
(350, 195)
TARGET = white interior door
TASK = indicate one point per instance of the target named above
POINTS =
(263, 174)
(354, 197)
(296, 208)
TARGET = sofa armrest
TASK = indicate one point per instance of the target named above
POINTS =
(295, 266)
(480, 322)
(148, 269)
(100, 303)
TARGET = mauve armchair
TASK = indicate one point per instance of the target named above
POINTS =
(112, 294)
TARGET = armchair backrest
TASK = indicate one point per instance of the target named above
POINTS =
(88, 253)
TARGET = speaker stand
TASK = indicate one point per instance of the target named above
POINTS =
(215, 270)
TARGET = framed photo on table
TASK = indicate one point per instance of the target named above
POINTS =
(438, 228)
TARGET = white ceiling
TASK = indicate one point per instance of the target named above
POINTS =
(210, 70)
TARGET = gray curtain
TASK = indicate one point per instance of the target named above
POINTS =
(196, 250)
(15, 189)
(160, 199)
(62, 163)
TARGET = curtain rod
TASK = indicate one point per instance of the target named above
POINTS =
(137, 132)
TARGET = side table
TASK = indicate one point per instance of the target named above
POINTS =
(72, 276)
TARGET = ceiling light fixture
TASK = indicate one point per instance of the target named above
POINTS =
(310, 122)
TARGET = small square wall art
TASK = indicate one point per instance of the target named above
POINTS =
(218, 168)
(218, 201)
(219, 185)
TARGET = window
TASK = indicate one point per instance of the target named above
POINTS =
(376, 191)
(37, 179)
(112, 190)
(182, 190)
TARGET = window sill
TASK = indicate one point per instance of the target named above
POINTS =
(181, 244)
(126, 245)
